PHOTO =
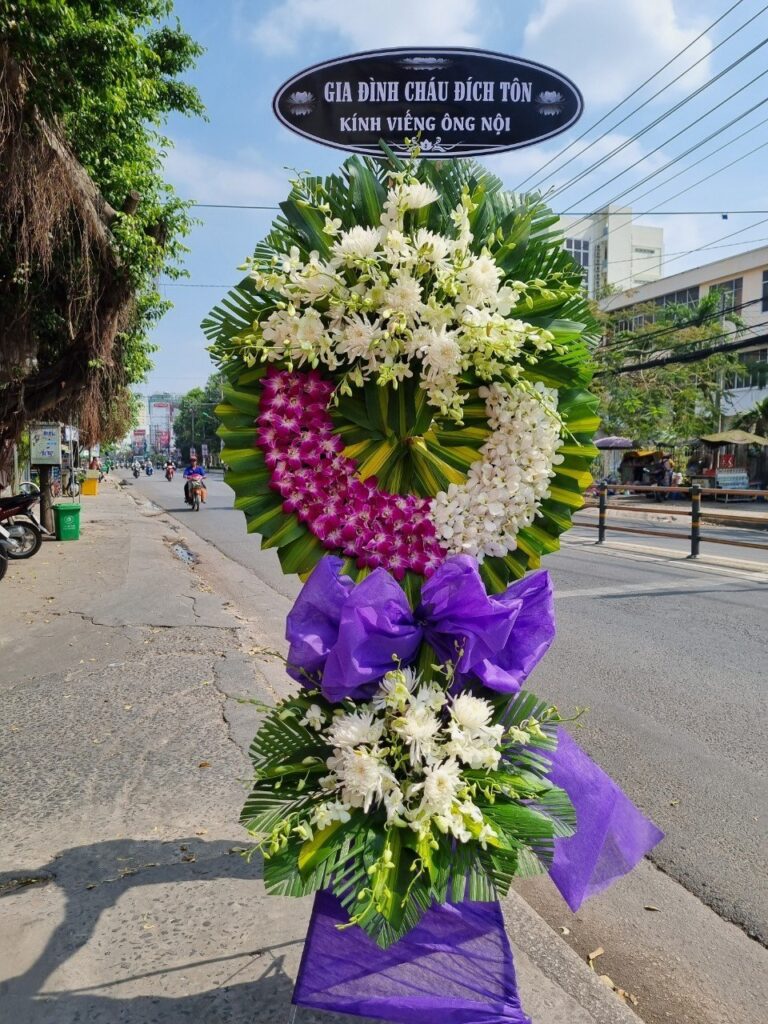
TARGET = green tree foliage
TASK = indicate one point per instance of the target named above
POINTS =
(754, 420)
(664, 404)
(196, 422)
(103, 76)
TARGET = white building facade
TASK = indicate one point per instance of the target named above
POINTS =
(742, 281)
(613, 251)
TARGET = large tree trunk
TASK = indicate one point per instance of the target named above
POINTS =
(46, 498)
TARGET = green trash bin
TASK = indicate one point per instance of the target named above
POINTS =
(67, 519)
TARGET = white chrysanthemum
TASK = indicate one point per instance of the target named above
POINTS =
(432, 247)
(416, 195)
(481, 279)
(395, 689)
(441, 355)
(363, 777)
(357, 243)
(404, 296)
(358, 337)
(419, 727)
(354, 729)
(471, 713)
(442, 783)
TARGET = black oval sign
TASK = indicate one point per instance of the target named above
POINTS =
(458, 102)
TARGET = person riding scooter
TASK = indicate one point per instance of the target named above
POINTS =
(196, 471)
(170, 469)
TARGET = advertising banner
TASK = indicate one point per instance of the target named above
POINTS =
(45, 444)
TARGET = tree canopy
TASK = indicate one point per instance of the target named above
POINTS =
(664, 404)
(87, 219)
(196, 422)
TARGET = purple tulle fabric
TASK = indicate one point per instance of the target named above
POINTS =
(345, 635)
(454, 967)
(612, 835)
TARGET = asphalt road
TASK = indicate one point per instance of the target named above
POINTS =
(669, 656)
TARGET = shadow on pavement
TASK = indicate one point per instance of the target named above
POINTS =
(248, 986)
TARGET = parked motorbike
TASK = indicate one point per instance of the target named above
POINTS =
(4, 542)
(24, 532)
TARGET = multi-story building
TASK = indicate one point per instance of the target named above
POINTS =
(613, 250)
(742, 282)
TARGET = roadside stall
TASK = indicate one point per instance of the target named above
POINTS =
(728, 463)
(612, 452)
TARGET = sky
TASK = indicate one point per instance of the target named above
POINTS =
(241, 154)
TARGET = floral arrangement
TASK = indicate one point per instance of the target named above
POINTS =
(407, 423)
(406, 799)
(445, 373)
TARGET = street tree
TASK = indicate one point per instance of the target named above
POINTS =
(196, 422)
(87, 219)
(671, 403)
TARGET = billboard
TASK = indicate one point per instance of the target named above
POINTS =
(139, 442)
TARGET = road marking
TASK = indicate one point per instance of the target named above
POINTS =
(646, 589)
(756, 572)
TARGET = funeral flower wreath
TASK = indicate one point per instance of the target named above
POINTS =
(407, 423)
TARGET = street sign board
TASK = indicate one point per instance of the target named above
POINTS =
(45, 444)
(456, 102)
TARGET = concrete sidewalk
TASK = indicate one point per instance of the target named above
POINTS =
(123, 766)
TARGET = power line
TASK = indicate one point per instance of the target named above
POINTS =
(662, 117)
(701, 160)
(688, 188)
(563, 213)
(692, 356)
(690, 149)
(635, 92)
(625, 344)
(684, 252)
(698, 248)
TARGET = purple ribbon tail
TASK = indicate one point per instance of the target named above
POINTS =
(455, 966)
(612, 835)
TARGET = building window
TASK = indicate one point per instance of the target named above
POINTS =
(730, 293)
(765, 291)
(755, 372)
(684, 297)
(579, 249)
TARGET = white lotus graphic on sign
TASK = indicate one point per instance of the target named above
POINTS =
(301, 103)
(549, 103)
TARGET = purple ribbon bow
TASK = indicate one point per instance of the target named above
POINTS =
(345, 635)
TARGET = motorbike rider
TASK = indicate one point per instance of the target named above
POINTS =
(194, 470)
(170, 469)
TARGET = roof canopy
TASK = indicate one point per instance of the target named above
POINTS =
(614, 442)
(735, 437)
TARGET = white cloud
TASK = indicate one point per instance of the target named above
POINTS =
(608, 47)
(213, 179)
(367, 25)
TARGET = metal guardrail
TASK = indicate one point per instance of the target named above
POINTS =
(694, 513)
